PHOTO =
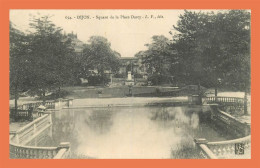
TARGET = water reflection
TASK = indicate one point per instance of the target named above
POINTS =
(141, 132)
(99, 120)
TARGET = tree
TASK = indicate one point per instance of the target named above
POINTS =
(192, 36)
(50, 57)
(212, 46)
(19, 65)
(98, 54)
(157, 58)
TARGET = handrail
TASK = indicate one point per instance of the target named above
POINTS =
(223, 99)
(32, 129)
(31, 123)
(21, 151)
(32, 147)
(208, 152)
(214, 150)
(239, 140)
(49, 104)
(239, 98)
(17, 142)
(60, 153)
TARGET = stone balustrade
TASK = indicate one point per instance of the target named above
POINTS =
(20, 139)
(23, 152)
(29, 152)
(229, 123)
(31, 130)
(218, 99)
(224, 149)
(205, 152)
(57, 104)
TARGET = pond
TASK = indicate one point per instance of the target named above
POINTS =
(131, 132)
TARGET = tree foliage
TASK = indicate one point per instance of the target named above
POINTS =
(41, 60)
(98, 54)
(158, 58)
(205, 47)
(212, 46)
(19, 65)
(50, 56)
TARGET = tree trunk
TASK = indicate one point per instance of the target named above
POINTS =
(216, 91)
(199, 94)
(59, 93)
(44, 97)
(59, 88)
(15, 101)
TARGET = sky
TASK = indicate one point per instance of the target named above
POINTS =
(127, 30)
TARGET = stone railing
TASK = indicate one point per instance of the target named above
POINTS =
(29, 152)
(22, 137)
(225, 149)
(48, 104)
(229, 123)
(224, 100)
(204, 151)
(21, 114)
(57, 104)
(31, 130)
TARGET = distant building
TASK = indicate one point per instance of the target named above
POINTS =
(132, 64)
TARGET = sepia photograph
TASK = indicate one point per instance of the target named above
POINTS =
(129, 84)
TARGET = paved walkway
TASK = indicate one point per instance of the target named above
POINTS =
(125, 101)
(15, 126)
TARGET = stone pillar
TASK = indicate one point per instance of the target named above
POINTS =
(58, 104)
(64, 145)
(201, 143)
(70, 103)
(63, 150)
(195, 99)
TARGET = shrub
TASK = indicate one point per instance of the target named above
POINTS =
(98, 80)
(158, 79)
(119, 75)
(57, 94)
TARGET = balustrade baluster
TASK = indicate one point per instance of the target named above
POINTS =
(45, 154)
(19, 152)
(49, 154)
(32, 153)
(22, 150)
(219, 151)
(25, 153)
(36, 155)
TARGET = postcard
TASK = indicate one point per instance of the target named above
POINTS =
(112, 86)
